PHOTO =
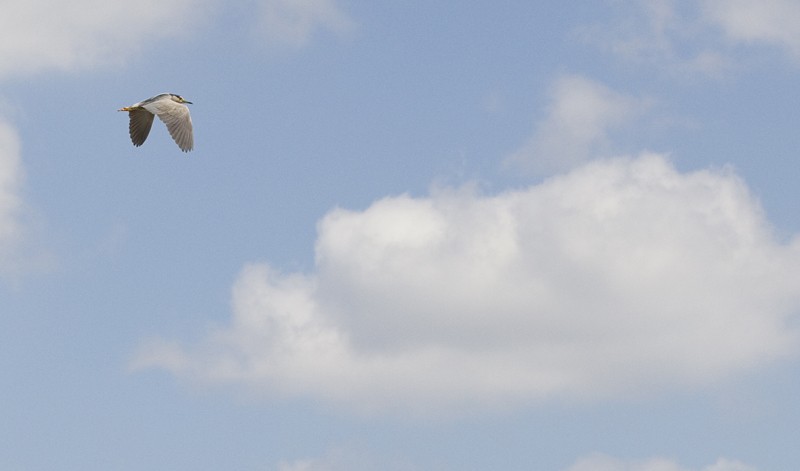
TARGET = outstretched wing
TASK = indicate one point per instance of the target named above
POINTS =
(141, 122)
(179, 122)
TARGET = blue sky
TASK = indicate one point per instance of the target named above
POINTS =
(411, 236)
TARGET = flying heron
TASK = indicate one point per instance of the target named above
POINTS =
(171, 109)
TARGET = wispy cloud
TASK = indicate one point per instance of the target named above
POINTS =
(342, 460)
(664, 34)
(600, 462)
(620, 277)
(294, 22)
(702, 38)
(581, 116)
(10, 201)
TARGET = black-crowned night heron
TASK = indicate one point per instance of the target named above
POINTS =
(171, 109)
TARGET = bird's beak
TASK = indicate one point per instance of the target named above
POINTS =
(188, 102)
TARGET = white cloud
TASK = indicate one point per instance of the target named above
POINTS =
(10, 202)
(294, 22)
(38, 35)
(580, 118)
(606, 463)
(774, 22)
(621, 277)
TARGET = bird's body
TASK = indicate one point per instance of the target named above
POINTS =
(171, 109)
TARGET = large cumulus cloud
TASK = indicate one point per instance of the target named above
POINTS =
(621, 277)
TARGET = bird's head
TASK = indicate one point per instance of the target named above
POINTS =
(179, 99)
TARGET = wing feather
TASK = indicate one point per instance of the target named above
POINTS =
(141, 122)
(179, 122)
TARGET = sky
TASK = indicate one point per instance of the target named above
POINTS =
(481, 235)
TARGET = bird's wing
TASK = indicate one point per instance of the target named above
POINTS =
(141, 122)
(179, 122)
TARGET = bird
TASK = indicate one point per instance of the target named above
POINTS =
(171, 109)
